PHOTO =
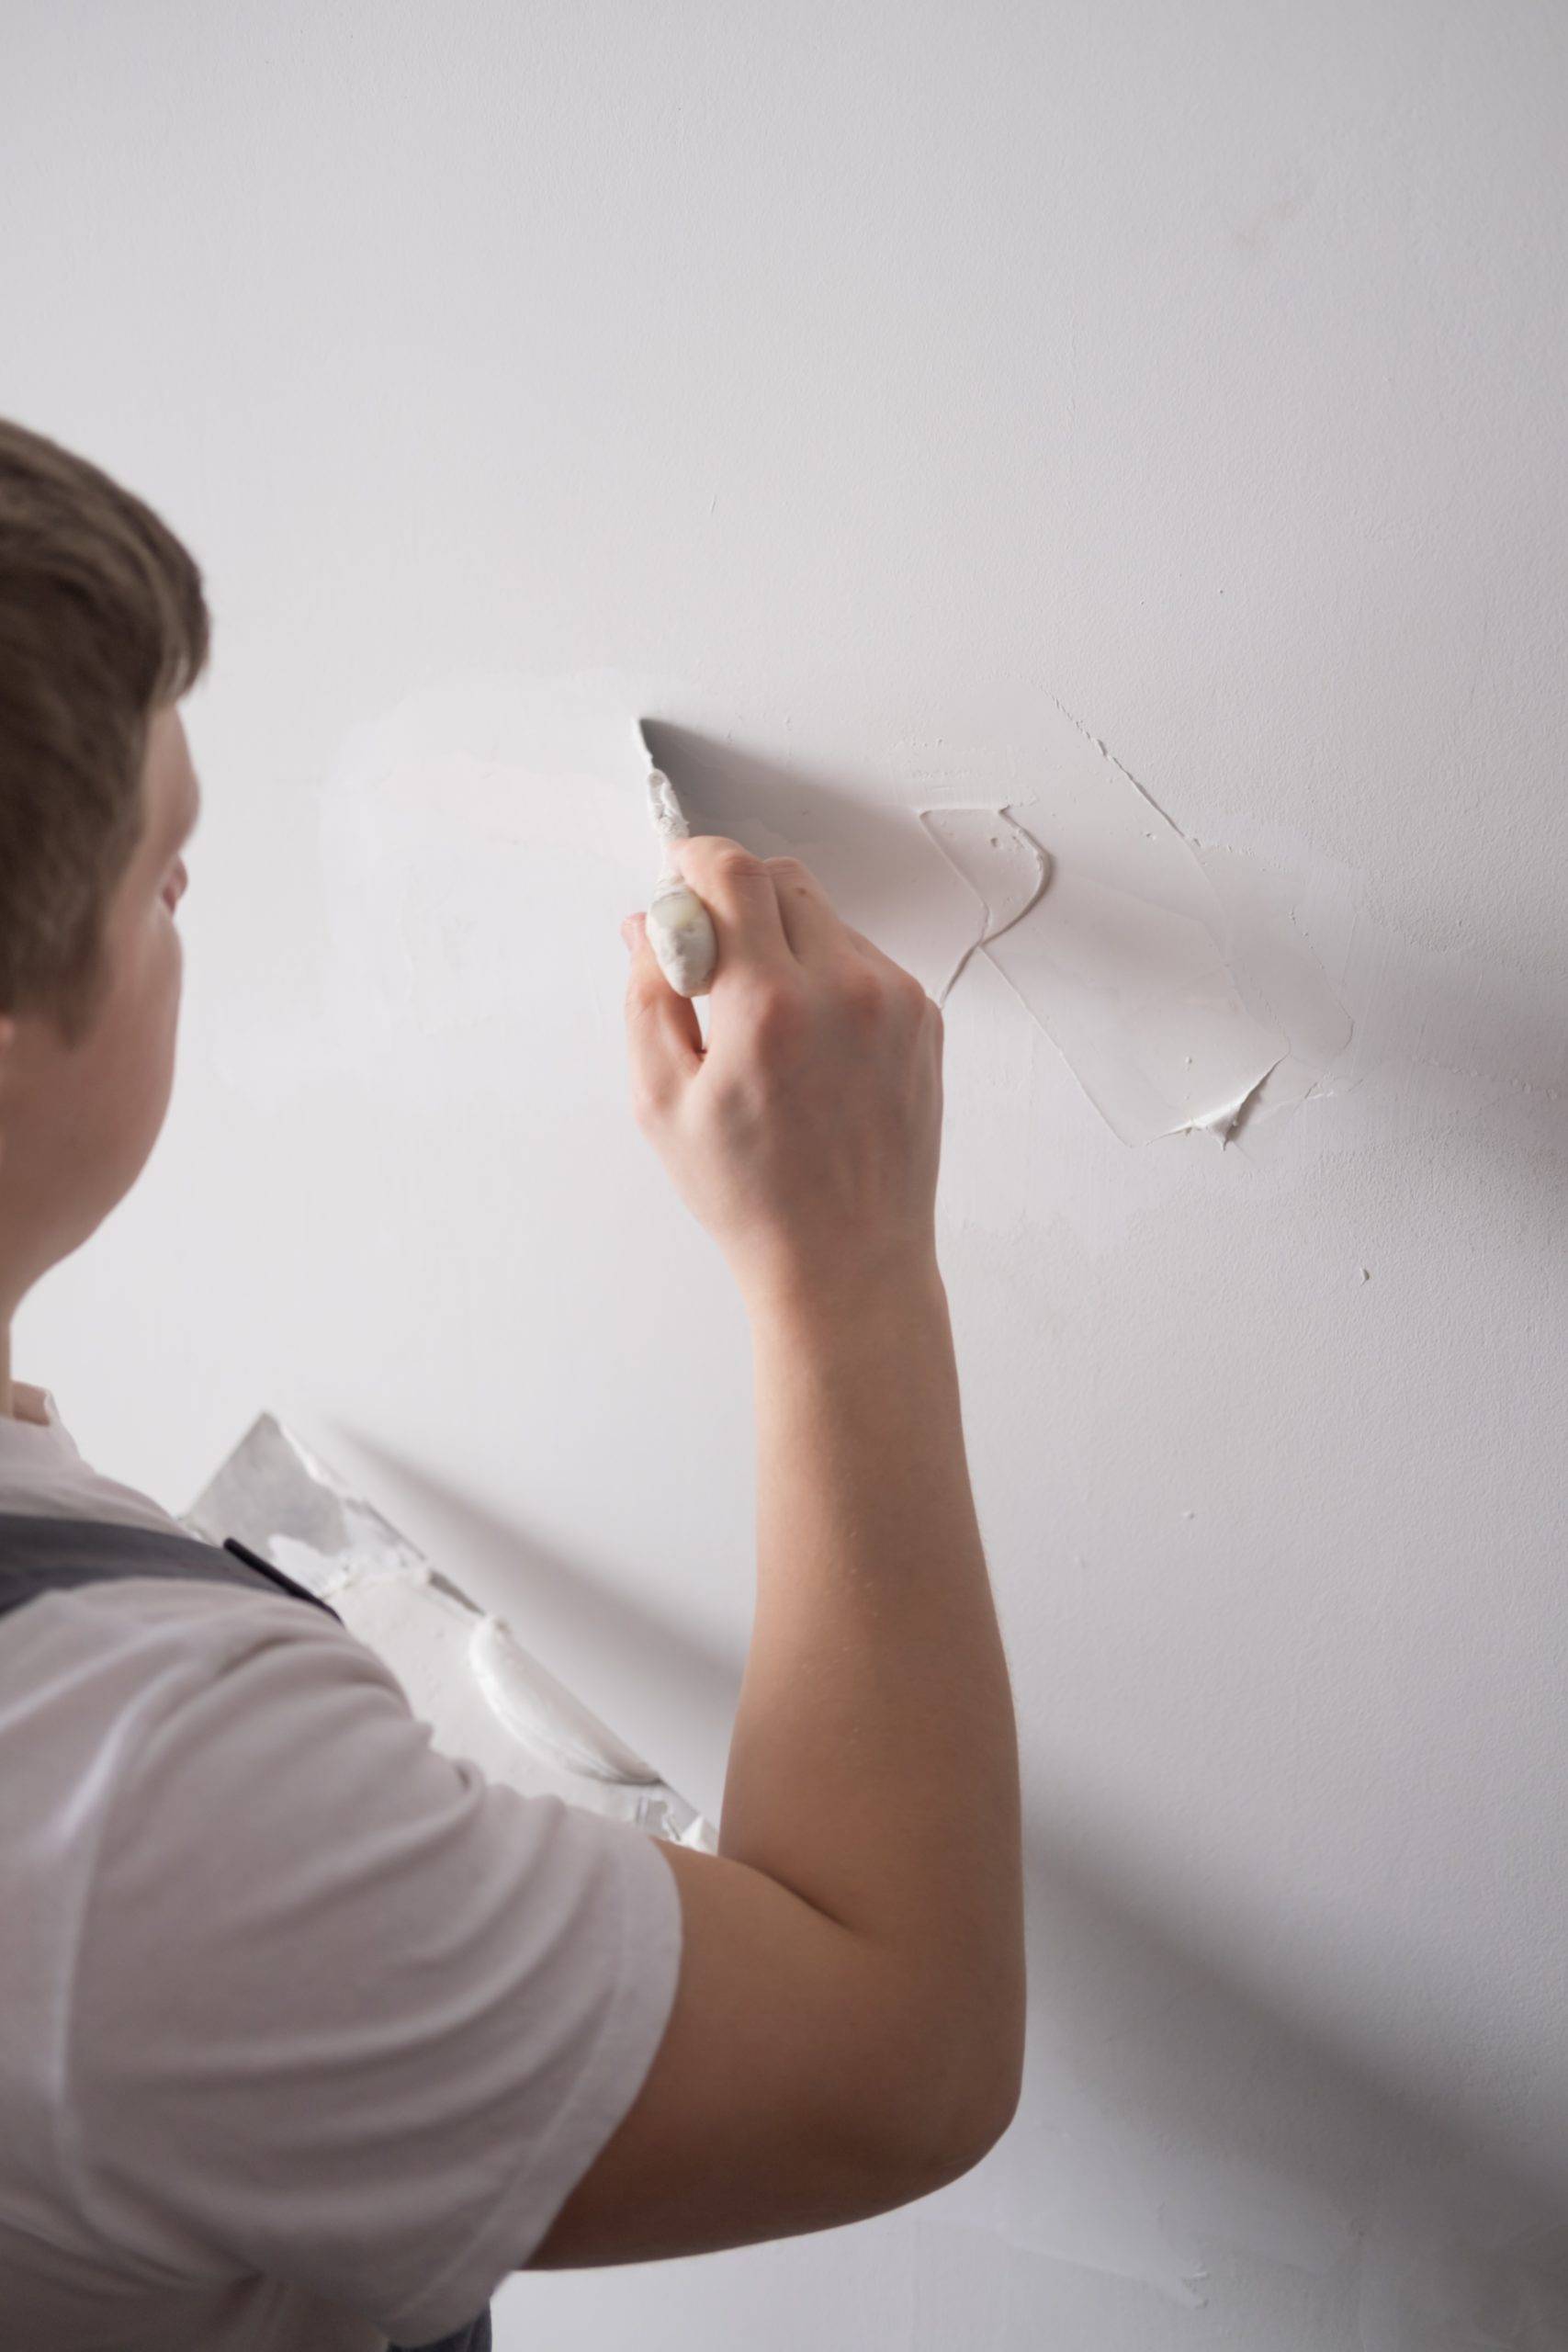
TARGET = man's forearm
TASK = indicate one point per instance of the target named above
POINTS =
(874, 1768)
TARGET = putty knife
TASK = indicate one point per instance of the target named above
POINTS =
(680, 928)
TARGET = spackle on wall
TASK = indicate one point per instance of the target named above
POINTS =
(1003, 866)
(1127, 961)
(1276, 966)
(448, 828)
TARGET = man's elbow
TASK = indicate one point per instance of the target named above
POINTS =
(982, 2124)
(952, 2127)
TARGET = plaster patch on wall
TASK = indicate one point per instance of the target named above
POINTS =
(1176, 987)
(1281, 974)
(480, 841)
(480, 832)
(1005, 867)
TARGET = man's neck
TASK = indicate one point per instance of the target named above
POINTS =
(7, 1397)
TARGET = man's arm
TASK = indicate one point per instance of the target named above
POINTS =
(848, 2025)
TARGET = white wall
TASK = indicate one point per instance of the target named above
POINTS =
(857, 387)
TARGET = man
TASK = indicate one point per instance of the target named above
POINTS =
(309, 2035)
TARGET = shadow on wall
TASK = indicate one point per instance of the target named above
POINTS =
(868, 853)
(550, 1599)
(727, 789)
(1174, 2129)
(1177, 2128)
(1466, 1040)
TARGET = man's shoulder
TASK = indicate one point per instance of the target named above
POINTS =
(82, 1650)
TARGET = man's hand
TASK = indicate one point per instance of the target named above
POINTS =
(805, 1138)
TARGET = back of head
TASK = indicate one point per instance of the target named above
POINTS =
(102, 620)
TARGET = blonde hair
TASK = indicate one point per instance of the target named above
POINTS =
(102, 621)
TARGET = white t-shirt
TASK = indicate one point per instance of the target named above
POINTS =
(306, 2031)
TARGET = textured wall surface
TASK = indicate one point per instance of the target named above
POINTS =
(900, 401)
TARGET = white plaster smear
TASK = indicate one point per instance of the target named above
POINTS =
(1176, 985)
(480, 841)
(1005, 868)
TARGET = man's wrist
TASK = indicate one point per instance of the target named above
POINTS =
(803, 1301)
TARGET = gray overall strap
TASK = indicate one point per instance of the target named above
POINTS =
(475, 2338)
(39, 1555)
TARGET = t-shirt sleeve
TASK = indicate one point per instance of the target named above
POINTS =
(346, 2013)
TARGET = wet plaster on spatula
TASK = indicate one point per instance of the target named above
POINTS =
(465, 1672)
(1121, 950)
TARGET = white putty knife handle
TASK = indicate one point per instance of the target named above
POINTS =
(680, 933)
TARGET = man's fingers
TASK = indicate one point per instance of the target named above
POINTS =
(811, 924)
(664, 1042)
(738, 891)
(873, 953)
